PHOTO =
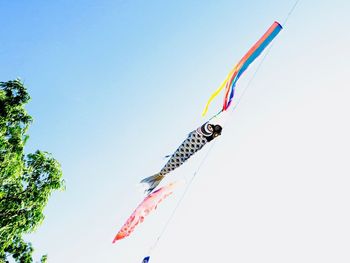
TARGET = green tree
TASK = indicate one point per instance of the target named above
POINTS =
(26, 180)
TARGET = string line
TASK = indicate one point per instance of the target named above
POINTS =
(189, 184)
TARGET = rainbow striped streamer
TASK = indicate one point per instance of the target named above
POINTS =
(231, 79)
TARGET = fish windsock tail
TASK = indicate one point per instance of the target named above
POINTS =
(152, 182)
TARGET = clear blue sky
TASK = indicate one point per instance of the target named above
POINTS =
(117, 85)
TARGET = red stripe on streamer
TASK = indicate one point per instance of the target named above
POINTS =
(245, 58)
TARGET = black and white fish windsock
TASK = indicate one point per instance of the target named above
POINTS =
(194, 142)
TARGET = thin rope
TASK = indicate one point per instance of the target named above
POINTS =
(217, 114)
(189, 184)
(181, 198)
(262, 60)
(290, 13)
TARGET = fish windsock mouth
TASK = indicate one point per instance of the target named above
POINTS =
(217, 130)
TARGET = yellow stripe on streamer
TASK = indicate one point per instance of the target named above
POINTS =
(223, 84)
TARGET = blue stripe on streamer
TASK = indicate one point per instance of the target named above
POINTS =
(146, 260)
(250, 60)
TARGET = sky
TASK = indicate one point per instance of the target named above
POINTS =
(117, 85)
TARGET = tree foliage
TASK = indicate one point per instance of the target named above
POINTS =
(26, 180)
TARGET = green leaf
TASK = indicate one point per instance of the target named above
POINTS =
(26, 181)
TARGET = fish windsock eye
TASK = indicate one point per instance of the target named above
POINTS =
(207, 129)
